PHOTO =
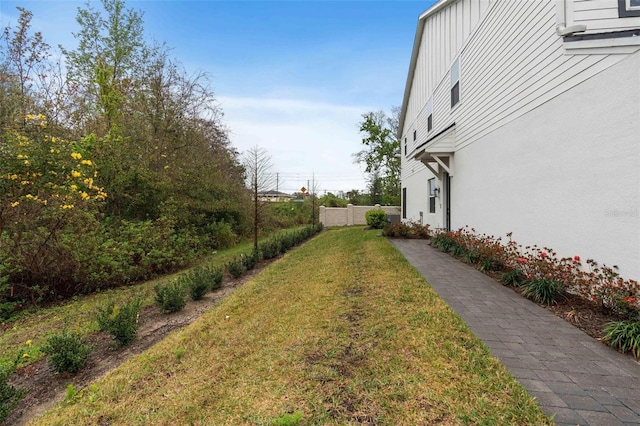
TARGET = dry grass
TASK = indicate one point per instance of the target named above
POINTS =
(342, 330)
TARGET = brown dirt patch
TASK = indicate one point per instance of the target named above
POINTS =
(45, 388)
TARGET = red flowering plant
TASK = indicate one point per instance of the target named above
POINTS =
(543, 271)
(603, 285)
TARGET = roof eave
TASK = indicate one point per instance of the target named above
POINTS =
(414, 57)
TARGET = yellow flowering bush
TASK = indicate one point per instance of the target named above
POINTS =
(42, 188)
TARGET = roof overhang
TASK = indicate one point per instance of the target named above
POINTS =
(437, 152)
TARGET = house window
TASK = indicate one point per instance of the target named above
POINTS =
(414, 135)
(455, 83)
(628, 8)
(429, 115)
(405, 146)
(404, 203)
(432, 195)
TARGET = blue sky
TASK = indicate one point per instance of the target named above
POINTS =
(293, 77)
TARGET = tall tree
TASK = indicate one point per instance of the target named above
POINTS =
(110, 46)
(381, 155)
(257, 164)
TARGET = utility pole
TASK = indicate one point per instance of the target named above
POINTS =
(313, 200)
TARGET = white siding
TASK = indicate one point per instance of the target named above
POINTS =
(547, 140)
(514, 63)
(443, 37)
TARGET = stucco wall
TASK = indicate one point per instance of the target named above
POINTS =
(351, 215)
(565, 176)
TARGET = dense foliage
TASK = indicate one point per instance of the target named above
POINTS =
(117, 170)
(376, 219)
(381, 155)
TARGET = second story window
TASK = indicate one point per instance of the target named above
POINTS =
(455, 83)
(429, 115)
(628, 8)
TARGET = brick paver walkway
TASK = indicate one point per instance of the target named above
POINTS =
(572, 376)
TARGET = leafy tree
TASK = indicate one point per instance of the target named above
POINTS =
(381, 154)
(331, 200)
(357, 198)
(104, 65)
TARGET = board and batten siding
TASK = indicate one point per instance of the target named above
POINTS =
(444, 34)
(511, 61)
(597, 15)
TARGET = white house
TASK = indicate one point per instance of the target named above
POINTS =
(523, 116)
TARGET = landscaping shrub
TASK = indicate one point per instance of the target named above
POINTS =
(406, 230)
(197, 283)
(235, 268)
(216, 275)
(9, 395)
(249, 261)
(269, 249)
(171, 297)
(376, 219)
(66, 351)
(624, 335)
(542, 290)
(120, 321)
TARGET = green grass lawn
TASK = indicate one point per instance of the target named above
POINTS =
(340, 331)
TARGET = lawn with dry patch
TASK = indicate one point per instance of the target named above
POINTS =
(341, 330)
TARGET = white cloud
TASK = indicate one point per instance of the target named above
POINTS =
(304, 138)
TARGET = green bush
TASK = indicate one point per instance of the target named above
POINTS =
(197, 281)
(624, 335)
(376, 219)
(221, 234)
(171, 297)
(66, 351)
(120, 321)
(216, 275)
(512, 277)
(444, 241)
(542, 290)
(269, 249)
(249, 261)
(235, 268)
(9, 395)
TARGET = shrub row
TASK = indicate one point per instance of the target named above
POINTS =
(406, 230)
(271, 248)
(543, 276)
(68, 351)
